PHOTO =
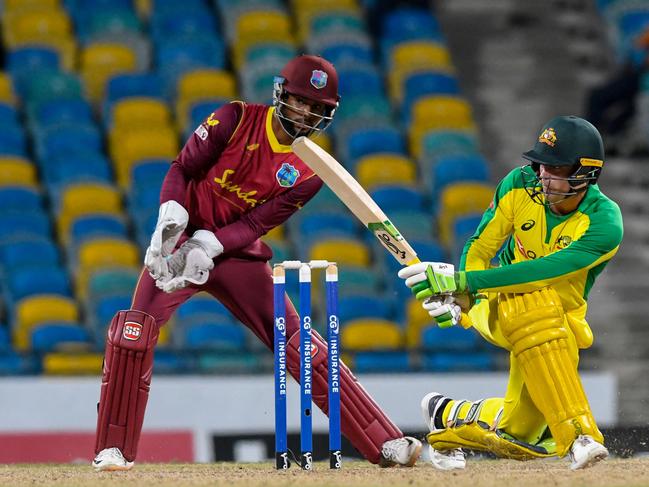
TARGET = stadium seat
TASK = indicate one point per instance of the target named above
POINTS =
(202, 308)
(102, 311)
(359, 81)
(463, 228)
(108, 21)
(34, 310)
(461, 199)
(72, 364)
(147, 85)
(16, 171)
(455, 362)
(52, 85)
(137, 112)
(51, 337)
(181, 23)
(27, 281)
(415, 224)
(107, 252)
(381, 362)
(455, 169)
(342, 251)
(357, 306)
(75, 168)
(202, 84)
(385, 169)
(398, 198)
(359, 108)
(371, 334)
(12, 363)
(24, 61)
(100, 61)
(85, 199)
(320, 225)
(61, 111)
(440, 111)
(93, 226)
(149, 172)
(214, 336)
(374, 140)
(20, 198)
(7, 94)
(65, 139)
(24, 23)
(13, 141)
(345, 56)
(426, 83)
(445, 143)
(455, 339)
(417, 318)
(31, 252)
(112, 281)
(220, 363)
(18, 225)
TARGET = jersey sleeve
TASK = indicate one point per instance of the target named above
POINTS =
(201, 150)
(598, 244)
(263, 218)
(495, 227)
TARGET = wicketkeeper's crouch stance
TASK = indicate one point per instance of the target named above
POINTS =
(558, 231)
(235, 179)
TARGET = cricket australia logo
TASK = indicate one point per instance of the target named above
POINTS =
(287, 175)
(548, 136)
(132, 331)
(318, 79)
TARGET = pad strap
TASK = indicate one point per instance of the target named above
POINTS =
(128, 365)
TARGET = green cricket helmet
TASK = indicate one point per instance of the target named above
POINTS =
(566, 141)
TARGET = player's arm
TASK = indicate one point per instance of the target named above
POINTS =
(597, 245)
(197, 156)
(263, 218)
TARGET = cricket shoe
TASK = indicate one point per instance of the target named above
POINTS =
(432, 408)
(111, 459)
(402, 451)
(585, 451)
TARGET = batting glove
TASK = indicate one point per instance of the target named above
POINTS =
(426, 279)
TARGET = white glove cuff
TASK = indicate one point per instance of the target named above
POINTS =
(209, 242)
(174, 211)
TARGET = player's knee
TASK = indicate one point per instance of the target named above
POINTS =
(531, 319)
(133, 330)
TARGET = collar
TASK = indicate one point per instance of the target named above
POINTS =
(274, 143)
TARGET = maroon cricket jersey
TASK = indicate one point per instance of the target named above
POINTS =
(235, 179)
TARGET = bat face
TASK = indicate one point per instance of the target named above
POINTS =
(352, 194)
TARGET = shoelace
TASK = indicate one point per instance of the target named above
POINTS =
(391, 449)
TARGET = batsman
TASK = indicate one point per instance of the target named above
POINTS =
(235, 179)
(556, 231)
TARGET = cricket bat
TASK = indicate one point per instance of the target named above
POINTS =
(352, 194)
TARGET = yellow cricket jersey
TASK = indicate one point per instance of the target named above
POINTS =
(542, 248)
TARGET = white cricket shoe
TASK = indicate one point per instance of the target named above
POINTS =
(402, 451)
(585, 451)
(111, 459)
(442, 460)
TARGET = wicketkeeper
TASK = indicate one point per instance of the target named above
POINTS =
(235, 179)
(557, 232)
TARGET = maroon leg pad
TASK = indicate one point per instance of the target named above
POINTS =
(362, 420)
(128, 365)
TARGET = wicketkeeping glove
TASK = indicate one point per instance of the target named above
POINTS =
(172, 221)
(192, 262)
(427, 279)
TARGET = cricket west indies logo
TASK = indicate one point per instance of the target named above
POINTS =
(287, 175)
(132, 330)
(318, 79)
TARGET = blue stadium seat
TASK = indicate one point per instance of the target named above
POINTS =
(5, 339)
(142, 198)
(454, 362)
(77, 167)
(398, 198)
(373, 140)
(130, 85)
(169, 362)
(220, 336)
(13, 141)
(348, 55)
(202, 309)
(61, 111)
(114, 281)
(149, 173)
(65, 139)
(426, 83)
(50, 337)
(173, 6)
(98, 22)
(364, 306)
(201, 110)
(455, 169)
(414, 224)
(38, 280)
(23, 61)
(181, 23)
(384, 362)
(323, 225)
(105, 308)
(89, 227)
(446, 143)
(49, 85)
(405, 24)
(8, 115)
(353, 82)
(25, 253)
(17, 198)
(454, 338)
(13, 364)
(18, 225)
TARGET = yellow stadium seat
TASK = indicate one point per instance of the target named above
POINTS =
(443, 107)
(323, 140)
(277, 233)
(417, 319)
(342, 251)
(159, 142)
(84, 199)
(260, 27)
(416, 135)
(143, 8)
(136, 112)
(107, 252)
(34, 310)
(461, 199)
(381, 169)
(7, 94)
(12, 6)
(16, 170)
(410, 57)
(371, 334)
(102, 60)
(73, 364)
(203, 84)
(22, 23)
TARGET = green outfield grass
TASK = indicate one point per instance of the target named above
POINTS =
(483, 473)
